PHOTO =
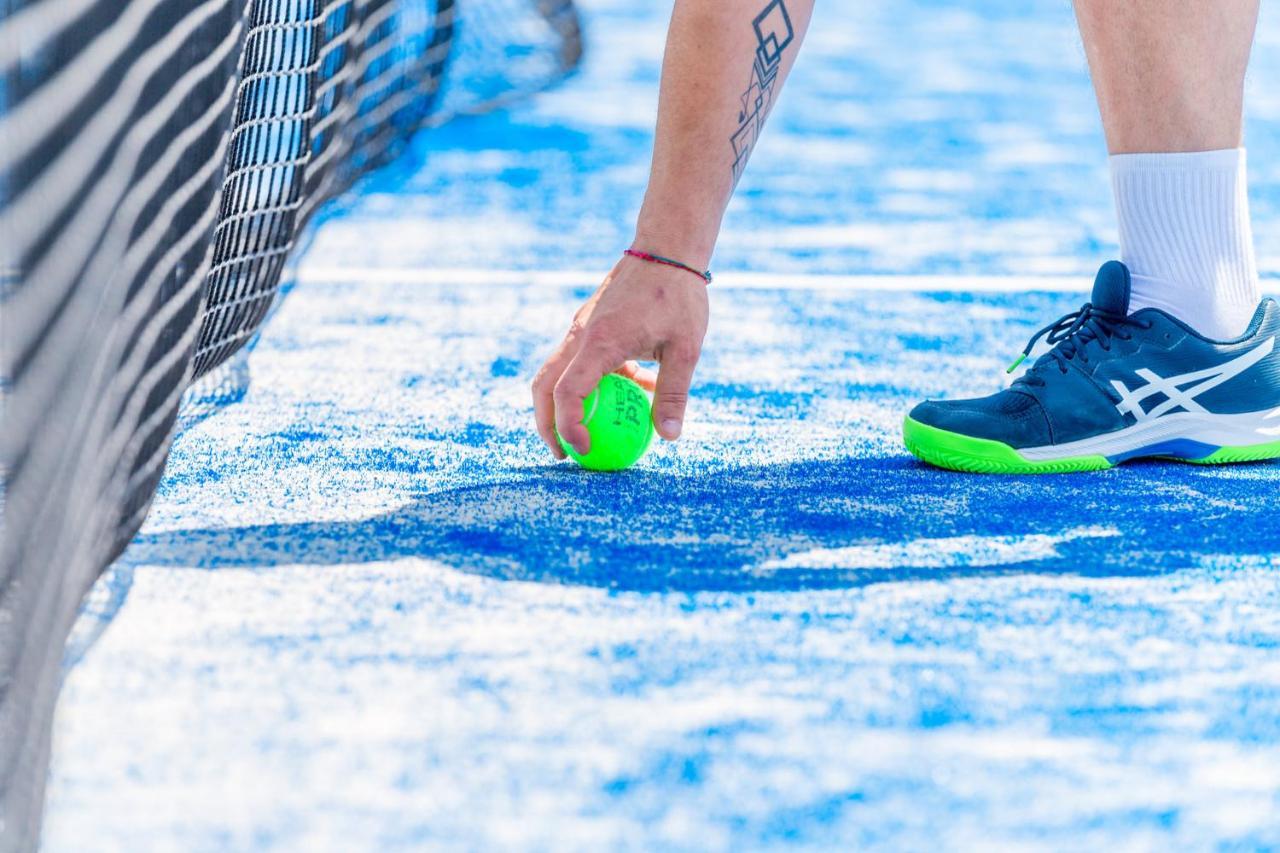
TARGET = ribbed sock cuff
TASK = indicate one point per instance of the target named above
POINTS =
(1185, 235)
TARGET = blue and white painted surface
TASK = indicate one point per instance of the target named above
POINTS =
(369, 613)
(927, 137)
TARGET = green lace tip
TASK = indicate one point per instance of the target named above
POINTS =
(1014, 366)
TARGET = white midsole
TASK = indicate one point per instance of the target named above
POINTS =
(1242, 430)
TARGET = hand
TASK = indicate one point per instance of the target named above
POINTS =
(641, 311)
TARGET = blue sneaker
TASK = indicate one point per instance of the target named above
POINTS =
(1114, 387)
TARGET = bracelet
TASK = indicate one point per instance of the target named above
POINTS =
(658, 259)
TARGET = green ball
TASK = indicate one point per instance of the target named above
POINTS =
(618, 419)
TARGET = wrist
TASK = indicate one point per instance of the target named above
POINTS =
(690, 242)
(650, 258)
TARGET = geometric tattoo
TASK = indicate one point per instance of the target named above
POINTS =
(773, 34)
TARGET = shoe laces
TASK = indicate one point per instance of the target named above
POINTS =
(1072, 334)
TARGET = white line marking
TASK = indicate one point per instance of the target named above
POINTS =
(936, 553)
(474, 276)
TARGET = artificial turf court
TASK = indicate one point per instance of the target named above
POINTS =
(369, 612)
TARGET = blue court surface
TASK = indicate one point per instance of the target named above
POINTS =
(369, 612)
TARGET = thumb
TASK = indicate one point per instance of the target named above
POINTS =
(671, 393)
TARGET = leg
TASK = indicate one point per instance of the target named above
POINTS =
(1120, 382)
(1169, 76)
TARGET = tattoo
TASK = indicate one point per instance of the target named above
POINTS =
(773, 35)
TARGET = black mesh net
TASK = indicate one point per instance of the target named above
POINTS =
(158, 159)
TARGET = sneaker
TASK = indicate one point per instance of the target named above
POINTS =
(1116, 387)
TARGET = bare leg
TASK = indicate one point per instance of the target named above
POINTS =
(1169, 75)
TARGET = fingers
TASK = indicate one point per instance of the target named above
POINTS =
(671, 394)
(579, 379)
(544, 386)
(642, 376)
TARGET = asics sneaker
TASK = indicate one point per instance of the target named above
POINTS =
(1117, 386)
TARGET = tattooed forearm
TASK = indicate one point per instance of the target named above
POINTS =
(773, 35)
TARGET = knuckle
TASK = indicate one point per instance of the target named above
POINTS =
(673, 397)
(597, 336)
(604, 356)
(562, 393)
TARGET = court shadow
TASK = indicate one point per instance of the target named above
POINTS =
(796, 525)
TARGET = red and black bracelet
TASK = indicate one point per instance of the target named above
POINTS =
(658, 259)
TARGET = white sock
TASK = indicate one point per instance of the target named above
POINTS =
(1186, 238)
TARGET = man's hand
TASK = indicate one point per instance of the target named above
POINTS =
(641, 311)
(708, 125)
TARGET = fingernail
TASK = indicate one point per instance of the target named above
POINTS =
(671, 428)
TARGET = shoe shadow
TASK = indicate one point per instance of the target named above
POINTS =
(790, 526)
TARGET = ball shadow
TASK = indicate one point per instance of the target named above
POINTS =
(817, 524)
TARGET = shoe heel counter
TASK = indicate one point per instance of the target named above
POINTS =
(1267, 319)
(1266, 374)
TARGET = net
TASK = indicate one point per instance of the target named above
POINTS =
(158, 160)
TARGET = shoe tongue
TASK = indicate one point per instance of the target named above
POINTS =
(1111, 288)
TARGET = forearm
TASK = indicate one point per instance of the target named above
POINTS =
(724, 66)
(725, 63)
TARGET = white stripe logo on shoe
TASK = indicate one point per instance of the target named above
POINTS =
(1178, 397)
(1275, 430)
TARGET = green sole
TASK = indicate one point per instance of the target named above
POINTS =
(1234, 455)
(957, 452)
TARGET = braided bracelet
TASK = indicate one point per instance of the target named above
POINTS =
(658, 259)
